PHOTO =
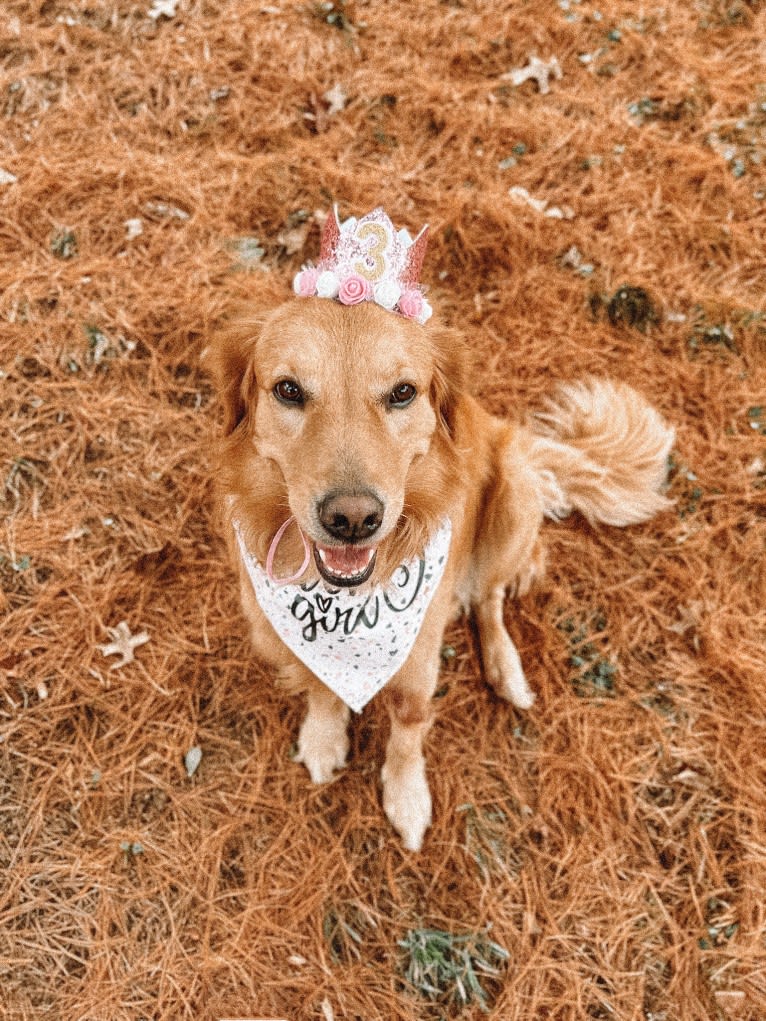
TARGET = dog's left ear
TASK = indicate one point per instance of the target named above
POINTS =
(229, 359)
(450, 376)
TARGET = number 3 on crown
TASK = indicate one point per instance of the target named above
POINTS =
(373, 266)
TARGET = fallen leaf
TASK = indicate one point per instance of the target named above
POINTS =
(192, 760)
(522, 197)
(540, 71)
(78, 532)
(336, 100)
(123, 644)
(690, 617)
(163, 9)
(166, 211)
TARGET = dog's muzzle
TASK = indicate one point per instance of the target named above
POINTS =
(350, 519)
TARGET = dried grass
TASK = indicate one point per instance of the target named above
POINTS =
(613, 841)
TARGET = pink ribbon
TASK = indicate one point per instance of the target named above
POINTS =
(273, 550)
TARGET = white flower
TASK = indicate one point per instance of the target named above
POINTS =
(387, 293)
(425, 313)
(327, 285)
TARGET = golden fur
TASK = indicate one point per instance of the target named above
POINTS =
(597, 447)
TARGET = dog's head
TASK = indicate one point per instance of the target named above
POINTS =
(349, 412)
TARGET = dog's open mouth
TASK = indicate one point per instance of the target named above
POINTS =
(345, 566)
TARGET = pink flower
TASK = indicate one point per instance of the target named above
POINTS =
(411, 303)
(353, 289)
(305, 282)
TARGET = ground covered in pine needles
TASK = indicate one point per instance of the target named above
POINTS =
(600, 856)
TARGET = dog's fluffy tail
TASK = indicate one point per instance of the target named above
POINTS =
(598, 447)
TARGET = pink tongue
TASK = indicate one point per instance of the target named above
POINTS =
(346, 559)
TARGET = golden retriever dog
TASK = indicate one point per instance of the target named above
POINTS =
(350, 431)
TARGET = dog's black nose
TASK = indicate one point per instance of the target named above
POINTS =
(351, 517)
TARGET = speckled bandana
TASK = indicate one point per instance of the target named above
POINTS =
(354, 641)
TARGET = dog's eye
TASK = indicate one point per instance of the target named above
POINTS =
(288, 392)
(402, 395)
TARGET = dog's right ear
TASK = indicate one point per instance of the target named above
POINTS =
(229, 358)
(450, 375)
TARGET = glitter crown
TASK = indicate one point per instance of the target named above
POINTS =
(368, 260)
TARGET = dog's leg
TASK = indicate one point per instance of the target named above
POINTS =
(507, 555)
(406, 797)
(323, 737)
(502, 665)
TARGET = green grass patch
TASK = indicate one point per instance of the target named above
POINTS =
(628, 306)
(449, 969)
(63, 243)
(594, 673)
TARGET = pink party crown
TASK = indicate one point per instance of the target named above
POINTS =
(367, 260)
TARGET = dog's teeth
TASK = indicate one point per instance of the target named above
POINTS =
(328, 557)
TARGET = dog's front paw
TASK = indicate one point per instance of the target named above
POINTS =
(407, 803)
(322, 760)
(322, 746)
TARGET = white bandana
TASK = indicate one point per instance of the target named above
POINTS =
(353, 640)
